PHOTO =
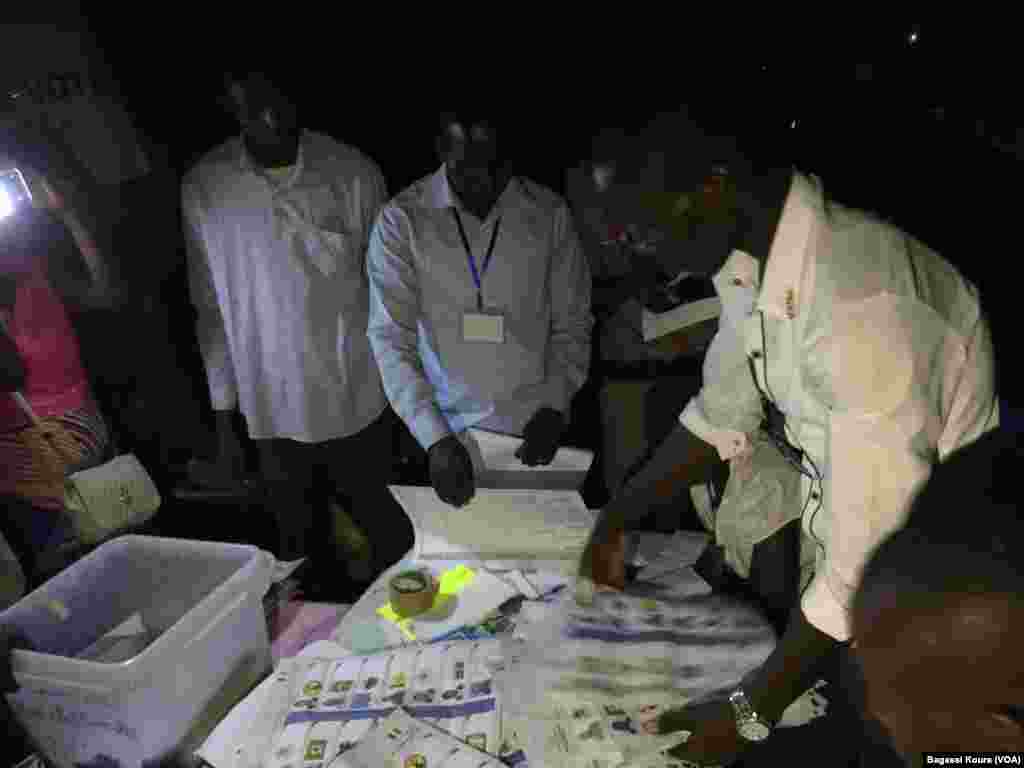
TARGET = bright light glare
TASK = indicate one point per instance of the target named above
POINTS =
(6, 204)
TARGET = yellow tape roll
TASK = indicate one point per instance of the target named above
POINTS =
(412, 592)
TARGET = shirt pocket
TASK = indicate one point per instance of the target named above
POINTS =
(344, 249)
(883, 352)
(871, 356)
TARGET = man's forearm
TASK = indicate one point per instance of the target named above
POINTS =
(791, 668)
(681, 461)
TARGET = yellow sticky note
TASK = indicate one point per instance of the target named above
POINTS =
(387, 612)
(456, 579)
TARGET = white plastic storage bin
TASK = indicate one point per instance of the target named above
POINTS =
(205, 644)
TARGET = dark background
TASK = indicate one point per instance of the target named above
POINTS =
(915, 118)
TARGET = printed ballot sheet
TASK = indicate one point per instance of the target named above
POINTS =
(403, 741)
(512, 528)
(335, 705)
(587, 683)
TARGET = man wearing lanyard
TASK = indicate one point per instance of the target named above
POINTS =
(480, 306)
(859, 353)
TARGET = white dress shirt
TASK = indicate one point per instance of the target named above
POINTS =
(421, 284)
(876, 350)
(277, 269)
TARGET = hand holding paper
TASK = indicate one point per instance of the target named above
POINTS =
(541, 437)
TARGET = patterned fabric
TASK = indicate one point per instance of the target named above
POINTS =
(36, 460)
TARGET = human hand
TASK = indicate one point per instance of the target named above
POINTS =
(451, 471)
(541, 438)
(604, 558)
(713, 738)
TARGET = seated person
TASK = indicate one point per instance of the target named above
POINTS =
(40, 284)
(940, 608)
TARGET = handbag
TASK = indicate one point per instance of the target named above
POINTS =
(104, 500)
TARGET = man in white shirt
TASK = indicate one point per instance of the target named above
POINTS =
(480, 306)
(277, 223)
(859, 352)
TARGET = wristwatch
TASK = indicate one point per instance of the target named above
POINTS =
(751, 726)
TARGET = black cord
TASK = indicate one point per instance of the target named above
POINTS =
(784, 438)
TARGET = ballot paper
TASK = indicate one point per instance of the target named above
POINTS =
(124, 642)
(588, 682)
(498, 453)
(329, 706)
(504, 529)
(657, 554)
(497, 466)
(403, 741)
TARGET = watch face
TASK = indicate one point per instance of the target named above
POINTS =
(752, 730)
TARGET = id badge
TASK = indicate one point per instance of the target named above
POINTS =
(483, 325)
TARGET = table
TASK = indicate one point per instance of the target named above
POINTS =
(219, 749)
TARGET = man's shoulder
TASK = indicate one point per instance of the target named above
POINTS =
(539, 195)
(217, 163)
(414, 197)
(915, 268)
(352, 159)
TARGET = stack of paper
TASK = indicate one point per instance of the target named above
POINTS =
(501, 468)
(504, 529)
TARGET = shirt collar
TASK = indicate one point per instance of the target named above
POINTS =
(780, 292)
(247, 164)
(439, 193)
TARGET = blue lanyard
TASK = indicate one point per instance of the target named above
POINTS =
(469, 256)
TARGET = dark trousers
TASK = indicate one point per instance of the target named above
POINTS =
(301, 477)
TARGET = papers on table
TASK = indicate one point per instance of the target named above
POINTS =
(325, 707)
(657, 553)
(403, 740)
(504, 529)
(587, 683)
